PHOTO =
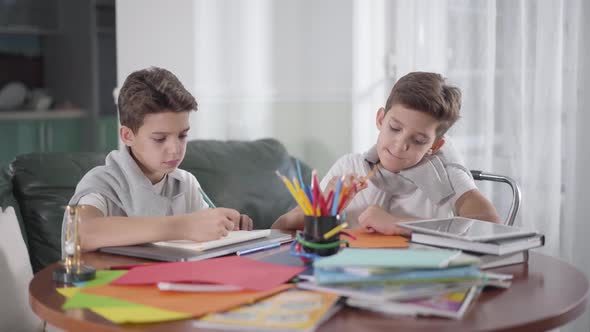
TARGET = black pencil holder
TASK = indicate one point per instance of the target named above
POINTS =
(314, 231)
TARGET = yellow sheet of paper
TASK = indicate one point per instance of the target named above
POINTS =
(68, 292)
(136, 314)
(139, 314)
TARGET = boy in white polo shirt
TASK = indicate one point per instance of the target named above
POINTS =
(140, 195)
(418, 175)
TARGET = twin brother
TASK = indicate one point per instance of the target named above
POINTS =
(140, 195)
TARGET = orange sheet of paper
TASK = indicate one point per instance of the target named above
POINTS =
(375, 240)
(196, 304)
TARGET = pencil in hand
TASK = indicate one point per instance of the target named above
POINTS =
(207, 199)
(370, 174)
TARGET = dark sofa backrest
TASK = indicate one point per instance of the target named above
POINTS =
(235, 174)
(43, 183)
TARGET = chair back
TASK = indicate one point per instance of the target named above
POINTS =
(516, 195)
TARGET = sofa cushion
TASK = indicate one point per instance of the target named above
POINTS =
(241, 175)
(235, 174)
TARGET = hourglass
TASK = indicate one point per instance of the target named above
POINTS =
(71, 268)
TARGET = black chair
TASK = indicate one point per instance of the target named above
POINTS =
(482, 176)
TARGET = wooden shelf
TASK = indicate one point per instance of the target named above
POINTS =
(27, 30)
(40, 115)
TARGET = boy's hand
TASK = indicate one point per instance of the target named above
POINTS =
(354, 182)
(246, 223)
(211, 224)
(375, 219)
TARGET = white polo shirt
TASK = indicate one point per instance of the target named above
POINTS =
(414, 204)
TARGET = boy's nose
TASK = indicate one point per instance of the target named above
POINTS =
(175, 146)
(400, 146)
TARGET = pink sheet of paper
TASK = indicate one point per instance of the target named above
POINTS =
(232, 270)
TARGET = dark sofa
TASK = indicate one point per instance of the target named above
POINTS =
(235, 174)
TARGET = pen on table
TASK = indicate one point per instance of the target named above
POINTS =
(207, 199)
(182, 287)
(257, 249)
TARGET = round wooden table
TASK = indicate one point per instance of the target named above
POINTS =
(545, 294)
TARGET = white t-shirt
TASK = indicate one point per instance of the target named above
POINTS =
(416, 205)
(109, 209)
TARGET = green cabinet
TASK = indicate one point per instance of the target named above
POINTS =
(108, 133)
(54, 131)
(25, 133)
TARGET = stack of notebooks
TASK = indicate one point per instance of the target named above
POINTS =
(409, 282)
(495, 244)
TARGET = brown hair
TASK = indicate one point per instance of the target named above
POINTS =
(428, 93)
(151, 90)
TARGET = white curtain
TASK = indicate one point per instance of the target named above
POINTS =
(517, 64)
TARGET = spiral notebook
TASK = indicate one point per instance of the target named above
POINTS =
(174, 251)
(231, 238)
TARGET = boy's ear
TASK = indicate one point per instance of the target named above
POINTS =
(380, 117)
(127, 135)
(436, 145)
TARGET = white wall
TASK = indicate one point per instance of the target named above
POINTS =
(258, 68)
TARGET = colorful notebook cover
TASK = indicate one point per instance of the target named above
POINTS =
(196, 304)
(294, 310)
(452, 305)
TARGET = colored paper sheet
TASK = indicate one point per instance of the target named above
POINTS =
(196, 304)
(68, 292)
(103, 277)
(83, 300)
(136, 313)
(139, 314)
(375, 240)
(233, 270)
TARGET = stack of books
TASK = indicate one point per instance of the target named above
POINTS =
(409, 281)
(495, 244)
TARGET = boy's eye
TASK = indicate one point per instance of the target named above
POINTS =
(160, 140)
(419, 142)
(396, 129)
(182, 136)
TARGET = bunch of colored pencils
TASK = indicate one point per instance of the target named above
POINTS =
(312, 201)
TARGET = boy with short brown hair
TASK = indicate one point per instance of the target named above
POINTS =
(419, 176)
(140, 195)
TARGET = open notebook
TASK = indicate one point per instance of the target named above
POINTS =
(174, 251)
(231, 238)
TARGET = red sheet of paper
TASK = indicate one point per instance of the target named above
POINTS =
(374, 240)
(233, 270)
(196, 304)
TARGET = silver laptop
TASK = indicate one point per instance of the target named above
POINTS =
(169, 254)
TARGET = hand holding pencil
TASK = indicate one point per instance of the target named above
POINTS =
(336, 196)
(352, 184)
